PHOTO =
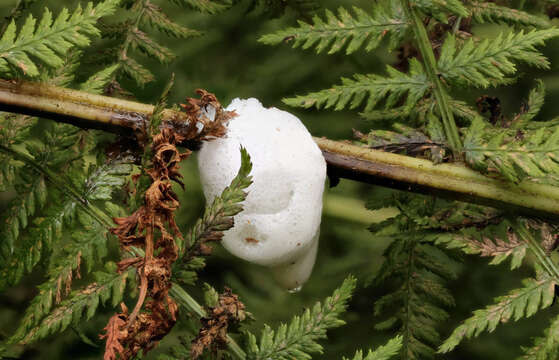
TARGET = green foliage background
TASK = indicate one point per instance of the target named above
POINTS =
(228, 61)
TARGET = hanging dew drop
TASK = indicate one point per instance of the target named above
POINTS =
(295, 290)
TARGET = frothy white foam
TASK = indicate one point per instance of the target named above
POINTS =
(280, 222)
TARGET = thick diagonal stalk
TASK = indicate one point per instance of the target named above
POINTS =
(430, 63)
(543, 259)
(344, 160)
(185, 300)
(446, 180)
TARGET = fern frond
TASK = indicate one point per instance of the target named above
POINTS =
(64, 263)
(39, 239)
(531, 108)
(130, 34)
(157, 19)
(519, 303)
(535, 155)
(50, 39)
(97, 81)
(497, 241)
(47, 228)
(105, 179)
(218, 217)
(64, 75)
(136, 71)
(298, 339)
(546, 347)
(205, 6)
(80, 305)
(489, 12)
(140, 40)
(488, 62)
(54, 152)
(384, 352)
(31, 198)
(370, 88)
(50, 151)
(355, 31)
(420, 272)
(418, 113)
(462, 110)
(439, 9)
(7, 173)
(14, 129)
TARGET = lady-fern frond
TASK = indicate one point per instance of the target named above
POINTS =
(51, 39)
(96, 82)
(370, 89)
(82, 304)
(155, 17)
(361, 29)
(489, 62)
(218, 217)
(546, 347)
(384, 352)
(536, 294)
(497, 241)
(87, 245)
(439, 9)
(31, 198)
(210, 7)
(534, 155)
(531, 108)
(299, 339)
(132, 34)
(420, 272)
(489, 12)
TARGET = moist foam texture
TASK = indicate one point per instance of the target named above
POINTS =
(279, 225)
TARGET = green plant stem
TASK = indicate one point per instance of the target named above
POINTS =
(450, 180)
(81, 108)
(542, 258)
(344, 160)
(426, 50)
(178, 293)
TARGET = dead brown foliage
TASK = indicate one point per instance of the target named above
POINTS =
(153, 229)
(213, 333)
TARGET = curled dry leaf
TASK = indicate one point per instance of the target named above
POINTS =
(114, 332)
(213, 333)
(152, 228)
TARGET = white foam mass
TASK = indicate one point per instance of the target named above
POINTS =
(279, 226)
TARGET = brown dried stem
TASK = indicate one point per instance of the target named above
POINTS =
(152, 229)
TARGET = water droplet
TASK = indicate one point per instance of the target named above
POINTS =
(295, 290)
